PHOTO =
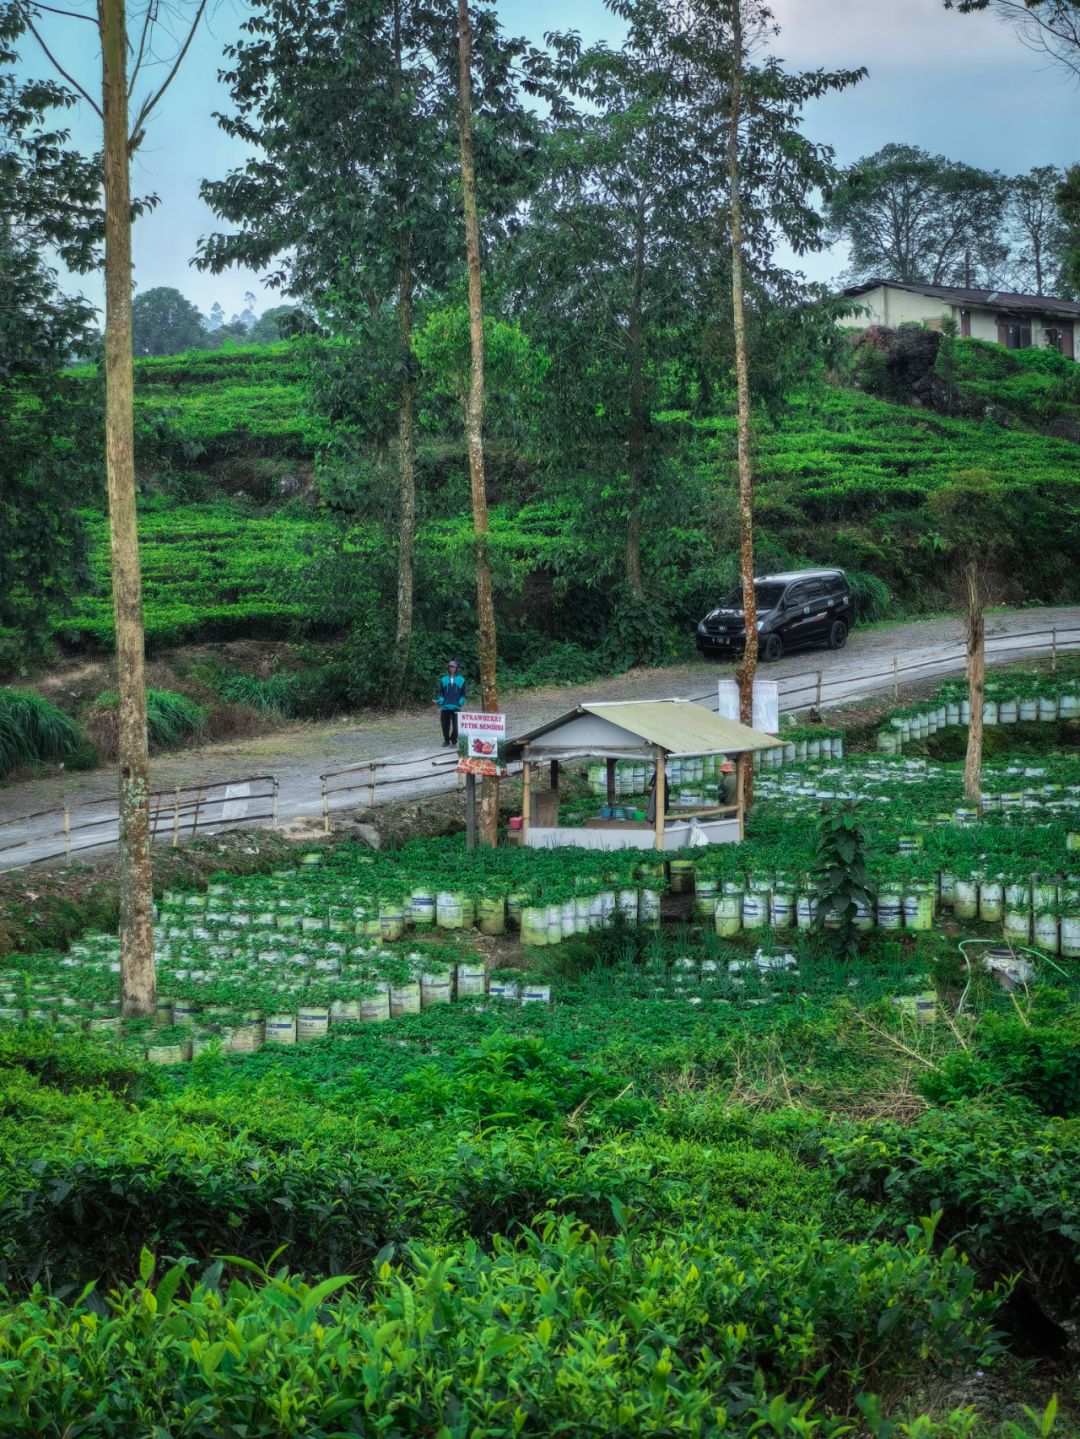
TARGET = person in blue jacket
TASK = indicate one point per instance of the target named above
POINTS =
(451, 698)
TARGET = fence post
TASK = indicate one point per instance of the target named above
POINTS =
(195, 816)
(818, 689)
(176, 818)
(273, 802)
(325, 807)
(371, 787)
(67, 833)
(1053, 648)
(895, 680)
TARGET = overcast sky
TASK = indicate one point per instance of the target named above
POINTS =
(962, 86)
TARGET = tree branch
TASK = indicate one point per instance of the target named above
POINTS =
(150, 103)
(27, 20)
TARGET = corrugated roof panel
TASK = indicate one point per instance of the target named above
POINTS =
(681, 727)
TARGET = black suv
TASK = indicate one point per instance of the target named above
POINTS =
(803, 607)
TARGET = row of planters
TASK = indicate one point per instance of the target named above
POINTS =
(929, 790)
(1011, 699)
(796, 745)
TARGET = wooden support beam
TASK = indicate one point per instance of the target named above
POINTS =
(610, 781)
(555, 775)
(470, 811)
(740, 791)
(526, 793)
(661, 796)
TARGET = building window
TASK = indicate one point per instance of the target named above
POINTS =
(1014, 333)
(1060, 338)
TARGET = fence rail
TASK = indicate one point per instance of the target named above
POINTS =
(368, 776)
(181, 812)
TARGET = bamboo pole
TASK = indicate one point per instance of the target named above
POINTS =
(526, 796)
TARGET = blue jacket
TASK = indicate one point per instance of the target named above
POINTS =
(451, 694)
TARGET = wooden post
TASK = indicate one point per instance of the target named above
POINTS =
(195, 817)
(895, 680)
(470, 811)
(67, 833)
(273, 803)
(610, 781)
(819, 689)
(1053, 649)
(371, 787)
(325, 807)
(740, 792)
(526, 795)
(661, 796)
(176, 818)
(555, 775)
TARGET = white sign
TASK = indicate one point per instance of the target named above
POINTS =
(484, 736)
(766, 704)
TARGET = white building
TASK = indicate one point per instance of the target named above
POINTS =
(1015, 321)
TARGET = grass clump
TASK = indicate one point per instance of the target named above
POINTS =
(33, 731)
(171, 720)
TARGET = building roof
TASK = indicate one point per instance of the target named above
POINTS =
(1002, 301)
(678, 727)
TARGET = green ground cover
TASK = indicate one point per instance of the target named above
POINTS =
(709, 1181)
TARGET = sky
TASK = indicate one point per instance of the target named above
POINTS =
(959, 85)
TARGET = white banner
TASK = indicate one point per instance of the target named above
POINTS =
(483, 738)
(766, 704)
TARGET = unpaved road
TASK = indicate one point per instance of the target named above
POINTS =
(299, 755)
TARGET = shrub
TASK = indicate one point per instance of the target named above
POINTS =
(171, 720)
(33, 731)
(1038, 1062)
(873, 598)
(1002, 1185)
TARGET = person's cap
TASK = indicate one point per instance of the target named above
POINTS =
(727, 767)
(451, 662)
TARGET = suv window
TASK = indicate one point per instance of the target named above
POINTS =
(798, 594)
(814, 590)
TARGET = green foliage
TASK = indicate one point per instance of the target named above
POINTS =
(33, 731)
(171, 718)
(1001, 1183)
(1039, 1062)
(840, 880)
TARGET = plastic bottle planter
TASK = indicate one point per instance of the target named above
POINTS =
(704, 897)
(1007, 711)
(991, 901)
(436, 989)
(536, 994)
(281, 1028)
(345, 1011)
(727, 916)
(755, 911)
(918, 911)
(922, 1008)
(405, 999)
(534, 925)
(1046, 932)
(422, 907)
(375, 1008)
(247, 1038)
(966, 898)
(649, 909)
(890, 910)
(1017, 926)
(553, 922)
(782, 909)
(491, 914)
(805, 912)
(681, 875)
(449, 909)
(471, 980)
(168, 1053)
(504, 989)
(1069, 935)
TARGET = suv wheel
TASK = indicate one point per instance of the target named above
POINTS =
(772, 649)
(838, 635)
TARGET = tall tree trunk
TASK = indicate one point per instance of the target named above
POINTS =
(976, 671)
(406, 420)
(138, 989)
(635, 450)
(748, 664)
(474, 423)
